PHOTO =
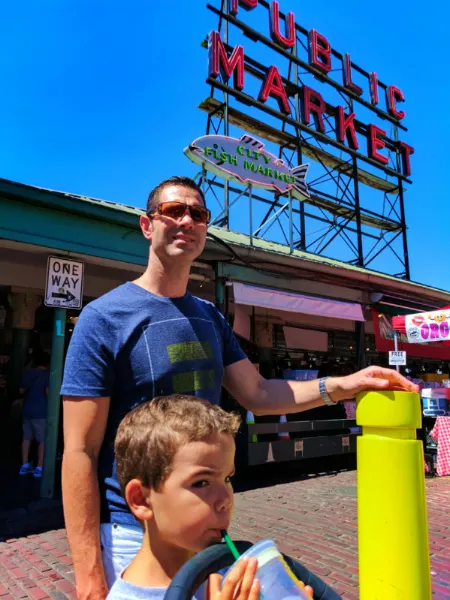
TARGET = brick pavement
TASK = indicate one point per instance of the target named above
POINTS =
(312, 519)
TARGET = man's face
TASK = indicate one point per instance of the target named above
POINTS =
(182, 238)
(195, 502)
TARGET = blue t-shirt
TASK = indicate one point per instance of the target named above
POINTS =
(132, 346)
(35, 382)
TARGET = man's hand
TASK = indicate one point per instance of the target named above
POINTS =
(371, 378)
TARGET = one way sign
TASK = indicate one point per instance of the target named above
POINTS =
(64, 285)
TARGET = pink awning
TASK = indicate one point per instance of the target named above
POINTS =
(310, 305)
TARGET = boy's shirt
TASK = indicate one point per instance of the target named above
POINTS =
(36, 381)
(131, 345)
(124, 590)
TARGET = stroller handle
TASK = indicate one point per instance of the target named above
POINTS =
(195, 572)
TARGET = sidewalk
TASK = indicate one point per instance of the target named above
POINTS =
(313, 519)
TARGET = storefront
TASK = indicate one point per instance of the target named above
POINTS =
(324, 321)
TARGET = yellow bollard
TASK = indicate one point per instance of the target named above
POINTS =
(394, 558)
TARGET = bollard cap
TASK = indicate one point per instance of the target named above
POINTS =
(397, 410)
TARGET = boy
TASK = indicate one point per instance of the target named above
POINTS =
(175, 460)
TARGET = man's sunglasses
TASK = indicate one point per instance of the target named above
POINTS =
(176, 210)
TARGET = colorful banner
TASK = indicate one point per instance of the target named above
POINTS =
(428, 327)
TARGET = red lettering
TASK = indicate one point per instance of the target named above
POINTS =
(348, 82)
(319, 51)
(394, 95)
(233, 5)
(375, 142)
(287, 41)
(273, 86)
(345, 127)
(219, 63)
(374, 97)
(317, 108)
(406, 152)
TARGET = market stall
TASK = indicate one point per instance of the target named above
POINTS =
(423, 328)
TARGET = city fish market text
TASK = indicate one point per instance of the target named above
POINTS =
(244, 160)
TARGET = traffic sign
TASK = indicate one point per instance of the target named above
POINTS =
(397, 357)
(64, 284)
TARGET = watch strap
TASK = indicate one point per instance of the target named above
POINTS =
(323, 392)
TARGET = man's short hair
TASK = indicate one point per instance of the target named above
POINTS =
(153, 198)
(149, 436)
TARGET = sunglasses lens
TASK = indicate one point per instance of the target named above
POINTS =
(172, 209)
(199, 214)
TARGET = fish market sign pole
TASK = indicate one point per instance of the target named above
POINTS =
(245, 160)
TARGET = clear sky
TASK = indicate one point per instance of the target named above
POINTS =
(99, 100)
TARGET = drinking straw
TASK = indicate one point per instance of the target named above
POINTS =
(229, 542)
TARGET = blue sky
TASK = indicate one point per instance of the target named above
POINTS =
(100, 100)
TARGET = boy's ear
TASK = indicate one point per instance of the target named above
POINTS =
(138, 499)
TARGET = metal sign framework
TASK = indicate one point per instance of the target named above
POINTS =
(336, 221)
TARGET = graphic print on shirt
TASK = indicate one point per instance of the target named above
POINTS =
(192, 366)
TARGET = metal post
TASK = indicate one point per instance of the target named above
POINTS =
(53, 403)
(302, 241)
(396, 347)
(360, 347)
(219, 289)
(291, 227)
(392, 513)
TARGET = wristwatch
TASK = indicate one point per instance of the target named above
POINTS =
(324, 394)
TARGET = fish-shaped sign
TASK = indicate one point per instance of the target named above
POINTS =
(244, 160)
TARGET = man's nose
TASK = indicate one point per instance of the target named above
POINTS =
(186, 220)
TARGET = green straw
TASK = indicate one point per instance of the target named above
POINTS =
(229, 542)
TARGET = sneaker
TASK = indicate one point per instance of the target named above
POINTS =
(37, 472)
(26, 469)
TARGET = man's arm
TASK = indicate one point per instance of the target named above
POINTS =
(84, 429)
(278, 396)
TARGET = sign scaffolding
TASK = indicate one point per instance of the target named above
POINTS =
(315, 106)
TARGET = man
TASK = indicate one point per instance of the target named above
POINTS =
(151, 338)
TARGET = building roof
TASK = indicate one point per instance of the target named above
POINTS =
(273, 251)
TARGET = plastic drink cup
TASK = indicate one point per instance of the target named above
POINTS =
(277, 580)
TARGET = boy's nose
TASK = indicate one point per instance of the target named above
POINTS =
(225, 501)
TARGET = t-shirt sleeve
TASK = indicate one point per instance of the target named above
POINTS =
(89, 368)
(232, 352)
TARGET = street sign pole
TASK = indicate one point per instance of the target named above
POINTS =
(396, 347)
(53, 403)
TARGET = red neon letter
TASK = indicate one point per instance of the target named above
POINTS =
(406, 153)
(394, 95)
(373, 79)
(345, 127)
(233, 5)
(319, 51)
(348, 82)
(317, 108)
(275, 34)
(273, 86)
(375, 142)
(218, 61)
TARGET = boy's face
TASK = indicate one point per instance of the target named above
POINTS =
(196, 500)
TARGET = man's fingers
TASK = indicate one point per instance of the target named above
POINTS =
(309, 590)
(254, 592)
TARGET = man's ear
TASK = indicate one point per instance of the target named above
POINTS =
(138, 499)
(146, 226)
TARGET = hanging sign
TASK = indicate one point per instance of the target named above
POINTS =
(397, 357)
(64, 284)
(428, 327)
(245, 160)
